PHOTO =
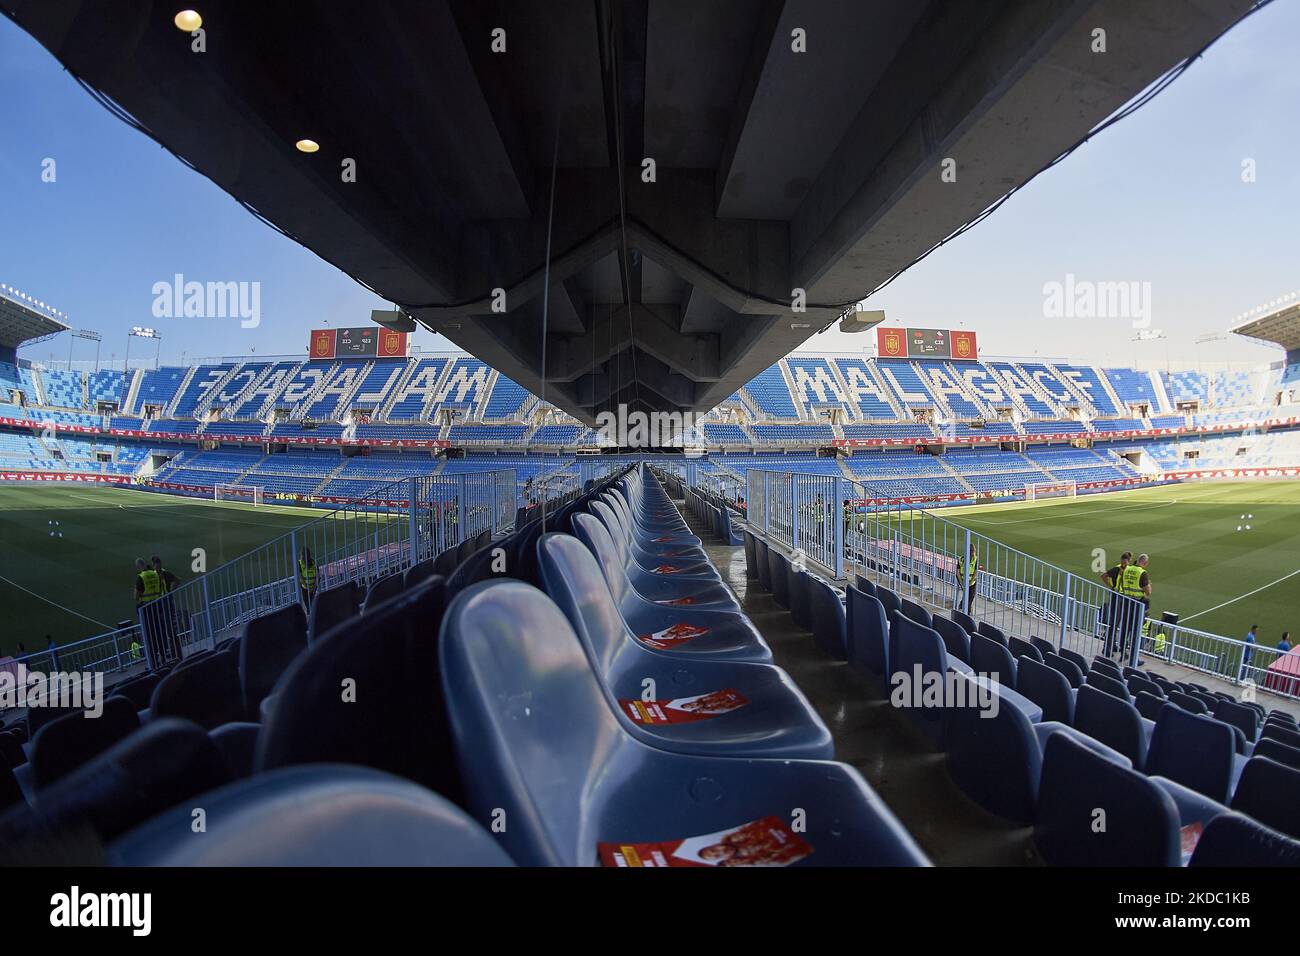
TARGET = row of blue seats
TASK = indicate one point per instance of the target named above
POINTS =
(1022, 756)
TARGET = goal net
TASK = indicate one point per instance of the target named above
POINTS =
(1034, 490)
(248, 494)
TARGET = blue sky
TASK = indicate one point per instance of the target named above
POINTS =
(1157, 198)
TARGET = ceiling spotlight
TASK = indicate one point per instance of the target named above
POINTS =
(188, 20)
(307, 145)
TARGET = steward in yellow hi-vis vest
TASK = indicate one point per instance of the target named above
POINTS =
(148, 585)
(1130, 581)
(307, 573)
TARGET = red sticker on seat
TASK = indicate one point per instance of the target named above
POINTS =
(677, 602)
(1190, 836)
(684, 710)
(765, 842)
(670, 637)
(667, 569)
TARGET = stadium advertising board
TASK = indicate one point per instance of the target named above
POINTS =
(926, 343)
(372, 341)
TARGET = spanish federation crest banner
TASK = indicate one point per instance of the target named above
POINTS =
(891, 343)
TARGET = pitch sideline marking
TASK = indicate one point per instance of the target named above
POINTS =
(1246, 595)
(55, 603)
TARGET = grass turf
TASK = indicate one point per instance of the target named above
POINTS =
(1199, 560)
(81, 584)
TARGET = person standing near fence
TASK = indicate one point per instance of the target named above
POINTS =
(1134, 583)
(968, 577)
(148, 588)
(1110, 578)
(307, 575)
(1248, 652)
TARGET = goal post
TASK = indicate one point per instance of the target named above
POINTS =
(247, 494)
(1036, 490)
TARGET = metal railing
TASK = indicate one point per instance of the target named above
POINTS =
(403, 523)
(840, 527)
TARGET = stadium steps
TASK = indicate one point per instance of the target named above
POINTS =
(170, 410)
(132, 392)
(337, 472)
(244, 474)
(887, 390)
(966, 485)
(799, 407)
(1163, 405)
(1109, 389)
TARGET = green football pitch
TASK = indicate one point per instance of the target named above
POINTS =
(1218, 578)
(74, 579)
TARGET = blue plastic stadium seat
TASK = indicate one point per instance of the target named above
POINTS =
(331, 607)
(774, 720)
(165, 762)
(1233, 840)
(367, 693)
(1021, 649)
(867, 640)
(237, 744)
(1141, 821)
(208, 692)
(381, 590)
(780, 575)
(751, 556)
(1108, 685)
(315, 816)
(1047, 688)
(915, 612)
(1075, 658)
(1044, 647)
(728, 634)
(1193, 750)
(799, 583)
(1114, 722)
(1148, 704)
(268, 645)
(828, 618)
(64, 744)
(985, 629)
(991, 657)
(955, 638)
(1269, 792)
(1240, 716)
(1278, 751)
(539, 742)
(920, 662)
(994, 753)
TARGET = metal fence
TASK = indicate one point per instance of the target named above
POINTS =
(841, 527)
(402, 523)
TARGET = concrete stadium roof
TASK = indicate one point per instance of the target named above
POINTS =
(1281, 327)
(21, 323)
(796, 145)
